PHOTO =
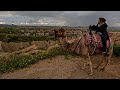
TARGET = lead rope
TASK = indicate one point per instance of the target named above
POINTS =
(78, 43)
(95, 44)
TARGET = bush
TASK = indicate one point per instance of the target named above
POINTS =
(116, 50)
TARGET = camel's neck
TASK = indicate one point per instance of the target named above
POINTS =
(64, 40)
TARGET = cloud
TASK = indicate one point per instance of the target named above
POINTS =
(37, 13)
(2, 23)
(59, 18)
(116, 24)
(5, 14)
(50, 21)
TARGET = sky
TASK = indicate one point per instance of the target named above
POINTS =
(59, 18)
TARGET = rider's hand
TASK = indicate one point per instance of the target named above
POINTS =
(90, 27)
(93, 27)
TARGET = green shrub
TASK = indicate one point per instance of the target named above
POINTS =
(116, 50)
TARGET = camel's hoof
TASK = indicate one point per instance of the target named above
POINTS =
(103, 69)
(88, 64)
(91, 74)
(83, 68)
(95, 68)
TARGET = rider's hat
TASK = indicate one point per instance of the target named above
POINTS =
(102, 19)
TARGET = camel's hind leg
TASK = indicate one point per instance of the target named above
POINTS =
(101, 58)
(109, 57)
(108, 60)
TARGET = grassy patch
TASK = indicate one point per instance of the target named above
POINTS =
(19, 38)
(69, 55)
(15, 62)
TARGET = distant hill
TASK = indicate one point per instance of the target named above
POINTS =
(7, 25)
(53, 27)
(114, 29)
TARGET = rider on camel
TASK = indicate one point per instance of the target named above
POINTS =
(101, 28)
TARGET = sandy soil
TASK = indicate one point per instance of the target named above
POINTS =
(61, 68)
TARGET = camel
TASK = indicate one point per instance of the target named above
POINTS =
(59, 34)
(82, 47)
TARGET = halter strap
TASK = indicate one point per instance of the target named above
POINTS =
(78, 42)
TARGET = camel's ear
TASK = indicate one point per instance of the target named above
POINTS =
(67, 44)
(110, 34)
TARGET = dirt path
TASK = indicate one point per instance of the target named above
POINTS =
(61, 68)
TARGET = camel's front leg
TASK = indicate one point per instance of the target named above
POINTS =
(91, 68)
(84, 64)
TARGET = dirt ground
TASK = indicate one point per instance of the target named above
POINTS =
(61, 68)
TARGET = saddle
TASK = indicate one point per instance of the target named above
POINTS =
(95, 40)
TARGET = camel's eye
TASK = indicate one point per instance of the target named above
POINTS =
(66, 45)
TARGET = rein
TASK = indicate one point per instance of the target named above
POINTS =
(90, 33)
(94, 47)
(78, 42)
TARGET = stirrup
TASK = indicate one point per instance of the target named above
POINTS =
(104, 52)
